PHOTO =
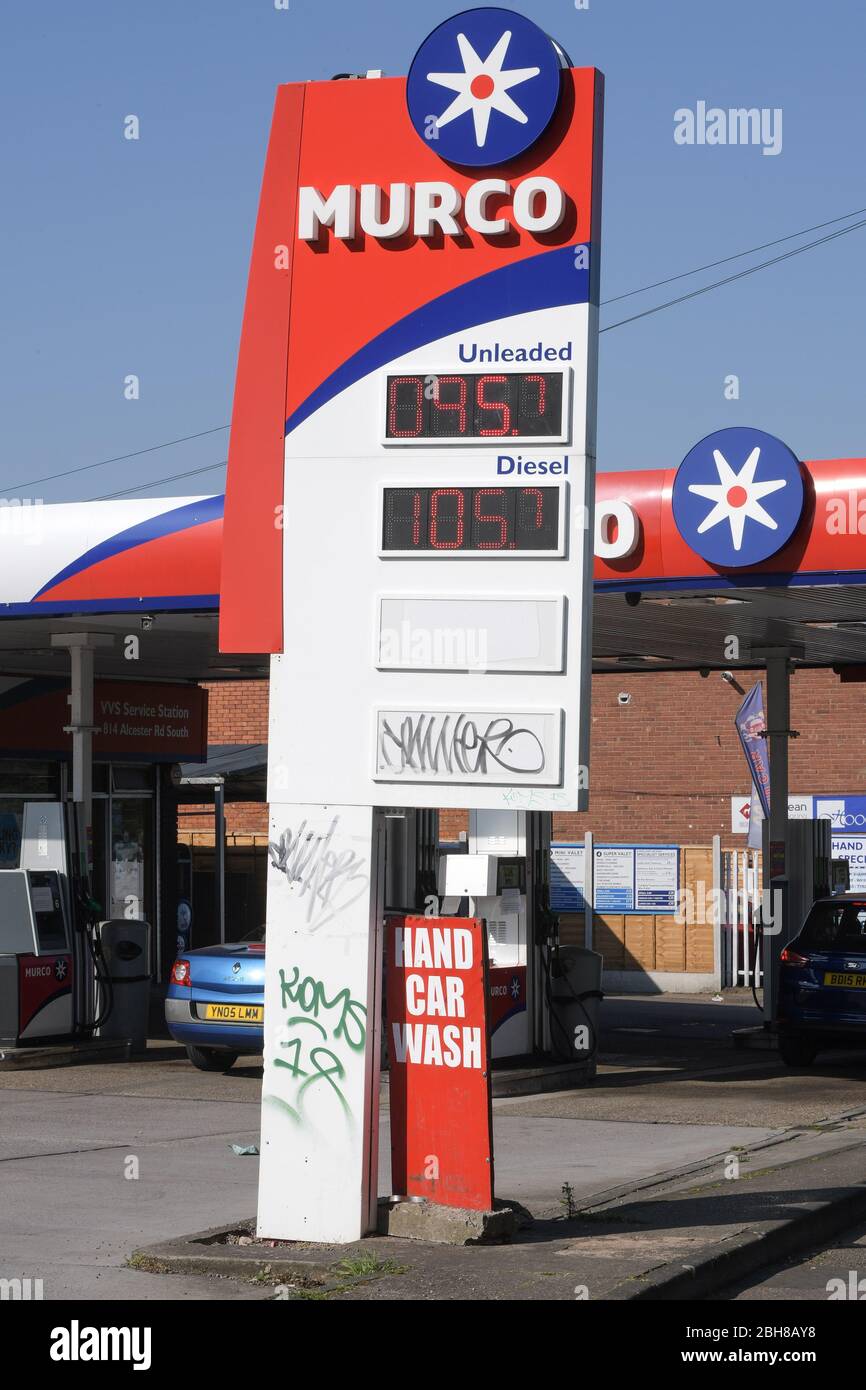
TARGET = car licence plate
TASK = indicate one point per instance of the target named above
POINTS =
(235, 1013)
(844, 981)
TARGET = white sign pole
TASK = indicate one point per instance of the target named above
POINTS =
(320, 1092)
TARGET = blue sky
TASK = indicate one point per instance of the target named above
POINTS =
(124, 257)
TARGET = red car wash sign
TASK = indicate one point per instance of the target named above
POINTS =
(134, 720)
(441, 1127)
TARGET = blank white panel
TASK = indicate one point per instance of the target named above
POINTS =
(470, 632)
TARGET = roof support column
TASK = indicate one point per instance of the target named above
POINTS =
(775, 869)
(82, 647)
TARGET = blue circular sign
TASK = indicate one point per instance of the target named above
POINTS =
(483, 87)
(738, 497)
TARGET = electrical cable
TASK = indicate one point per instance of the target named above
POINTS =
(740, 275)
(190, 473)
(119, 458)
(738, 255)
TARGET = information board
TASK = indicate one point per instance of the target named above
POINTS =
(636, 878)
(852, 848)
(567, 877)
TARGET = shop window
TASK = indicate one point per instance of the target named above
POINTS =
(29, 779)
(131, 779)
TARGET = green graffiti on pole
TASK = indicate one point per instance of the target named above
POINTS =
(304, 1037)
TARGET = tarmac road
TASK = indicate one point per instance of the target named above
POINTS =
(97, 1160)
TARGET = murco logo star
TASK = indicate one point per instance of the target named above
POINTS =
(483, 86)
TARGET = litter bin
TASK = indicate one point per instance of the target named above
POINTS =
(575, 994)
(125, 948)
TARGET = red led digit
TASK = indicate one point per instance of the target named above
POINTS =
(540, 382)
(535, 492)
(395, 407)
(500, 406)
(496, 518)
(403, 507)
(459, 405)
(435, 496)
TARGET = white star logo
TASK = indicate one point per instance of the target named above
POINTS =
(737, 496)
(482, 87)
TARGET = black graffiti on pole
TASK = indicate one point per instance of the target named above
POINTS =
(455, 743)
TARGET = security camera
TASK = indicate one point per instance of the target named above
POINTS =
(704, 673)
(633, 598)
(623, 698)
(146, 622)
(731, 680)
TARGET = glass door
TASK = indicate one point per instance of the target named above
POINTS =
(131, 864)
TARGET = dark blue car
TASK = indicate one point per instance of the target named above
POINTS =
(215, 1002)
(822, 981)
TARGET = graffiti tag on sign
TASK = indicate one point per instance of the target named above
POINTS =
(328, 878)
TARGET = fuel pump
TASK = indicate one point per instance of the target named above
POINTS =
(36, 957)
(544, 997)
(504, 877)
(49, 943)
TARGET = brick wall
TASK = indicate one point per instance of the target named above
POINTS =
(663, 767)
(237, 713)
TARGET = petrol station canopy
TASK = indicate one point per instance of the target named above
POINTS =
(152, 568)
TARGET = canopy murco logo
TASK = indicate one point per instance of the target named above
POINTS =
(737, 497)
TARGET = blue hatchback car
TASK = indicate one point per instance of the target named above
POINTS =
(215, 1004)
(822, 981)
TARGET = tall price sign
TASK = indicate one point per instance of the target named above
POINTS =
(415, 398)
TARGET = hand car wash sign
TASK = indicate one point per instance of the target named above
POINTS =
(410, 481)
(441, 1129)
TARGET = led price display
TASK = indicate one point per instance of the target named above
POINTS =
(474, 405)
(452, 519)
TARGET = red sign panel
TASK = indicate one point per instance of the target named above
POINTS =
(441, 1124)
(137, 721)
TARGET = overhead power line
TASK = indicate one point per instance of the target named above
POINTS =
(740, 275)
(118, 458)
(711, 265)
(155, 482)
